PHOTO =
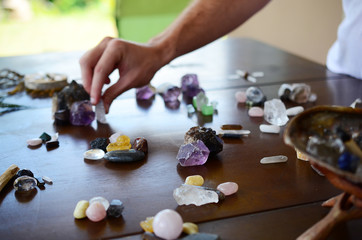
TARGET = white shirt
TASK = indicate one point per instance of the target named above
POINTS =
(345, 55)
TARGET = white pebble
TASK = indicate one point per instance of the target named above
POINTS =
(294, 110)
(265, 128)
(47, 180)
(256, 112)
(274, 159)
(94, 154)
(34, 142)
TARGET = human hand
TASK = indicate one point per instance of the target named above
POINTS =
(136, 63)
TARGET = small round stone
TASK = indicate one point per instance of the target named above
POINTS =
(228, 188)
(34, 142)
(265, 128)
(94, 154)
(96, 212)
(140, 144)
(167, 224)
(25, 183)
(101, 200)
(80, 209)
(256, 112)
(196, 180)
(240, 97)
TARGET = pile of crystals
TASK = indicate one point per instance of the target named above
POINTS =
(51, 142)
(25, 181)
(117, 148)
(168, 224)
(199, 142)
(98, 208)
(72, 105)
(341, 147)
(192, 191)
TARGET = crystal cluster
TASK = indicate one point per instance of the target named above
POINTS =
(207, 136)
(275, 112)
(193, 154)
(189, 194)
(63, 101)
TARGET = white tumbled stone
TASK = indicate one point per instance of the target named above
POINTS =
(34, 142)
(295, 110)
(274, 159)
(94, 154)
(265, 128)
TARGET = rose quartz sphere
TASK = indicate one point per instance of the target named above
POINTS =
(96, 212)
(228, 188)
(167, 224)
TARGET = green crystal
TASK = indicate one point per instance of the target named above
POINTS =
(207, 110)
(45, 137)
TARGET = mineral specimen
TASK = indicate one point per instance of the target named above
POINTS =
(228, 188)
(52, 144)
(200, 100)
(24, 183)
(255, 96)
(207, 136)
(114, 136)
(96, 212)
(294, 110)
(99, 143)
(124, 156)
(101, 112)
(74, 92)
(24, 172)
(145, 93)
(171, 94)
(167, 224)
(196, 180)
(146, 225)
(101, 200)
(80, 209)
(192, 154)
(207, 110)
(269, 128)
(274, 159)
(81, 113)
(45, 137)
(47, 180)
(189, 194)
(275, 112)
(240, 96)
(122, 143)
(94, 154)
(190, 85)
(298, 92)
(140, 144)
(34, 142)
(115, 209)
(256, 112)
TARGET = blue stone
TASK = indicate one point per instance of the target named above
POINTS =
(115, 209)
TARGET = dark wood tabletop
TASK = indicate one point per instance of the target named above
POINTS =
(278, 201)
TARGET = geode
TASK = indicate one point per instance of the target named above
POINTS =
(208, 136)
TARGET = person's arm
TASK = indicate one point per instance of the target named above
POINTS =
(200, 23)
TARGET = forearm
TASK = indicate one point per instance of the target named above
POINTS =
(202, 22)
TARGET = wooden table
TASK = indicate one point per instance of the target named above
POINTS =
(278, 201)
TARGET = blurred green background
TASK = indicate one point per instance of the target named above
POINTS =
(37, 26)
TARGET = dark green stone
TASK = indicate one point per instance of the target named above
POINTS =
(45, 137)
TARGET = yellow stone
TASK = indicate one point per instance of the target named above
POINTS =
(147, 224)
(195, 180)
(122, 143)
(80, 208)
(190, 228)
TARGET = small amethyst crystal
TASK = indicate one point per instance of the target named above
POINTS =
(190, 85)
(171, 94)
(81, 113)
(213, 142)
(145, 92)
(193, 154)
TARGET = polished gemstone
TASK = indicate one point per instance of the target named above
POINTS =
(99, 143)
(265, 128)
(196, 180)
(34, 142)
(124, 156)
(24, 172)
(100, 199)
(233, 133)
(94, 154)
(80, 209)
(167, 224)
(275, 112)
(145, 93)
(240, 96)
(55, 137)
(122, 143)
(81, 113)
(274, 159)
(193, 154)
(25, 183)
(96, 211)
(115, 209)
(52, 144)
(146, 225)
(228, 188)
(208, 136)
(301, 156)
(255, 96)
(140, 144)
(294, 110)
(45, 137)
(190, 228)
(189, 194)
(256, 112)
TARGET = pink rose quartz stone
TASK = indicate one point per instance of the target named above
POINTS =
(167, 224)
(96, 212)
(256, 112)
(240, 97)
(228, 188)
